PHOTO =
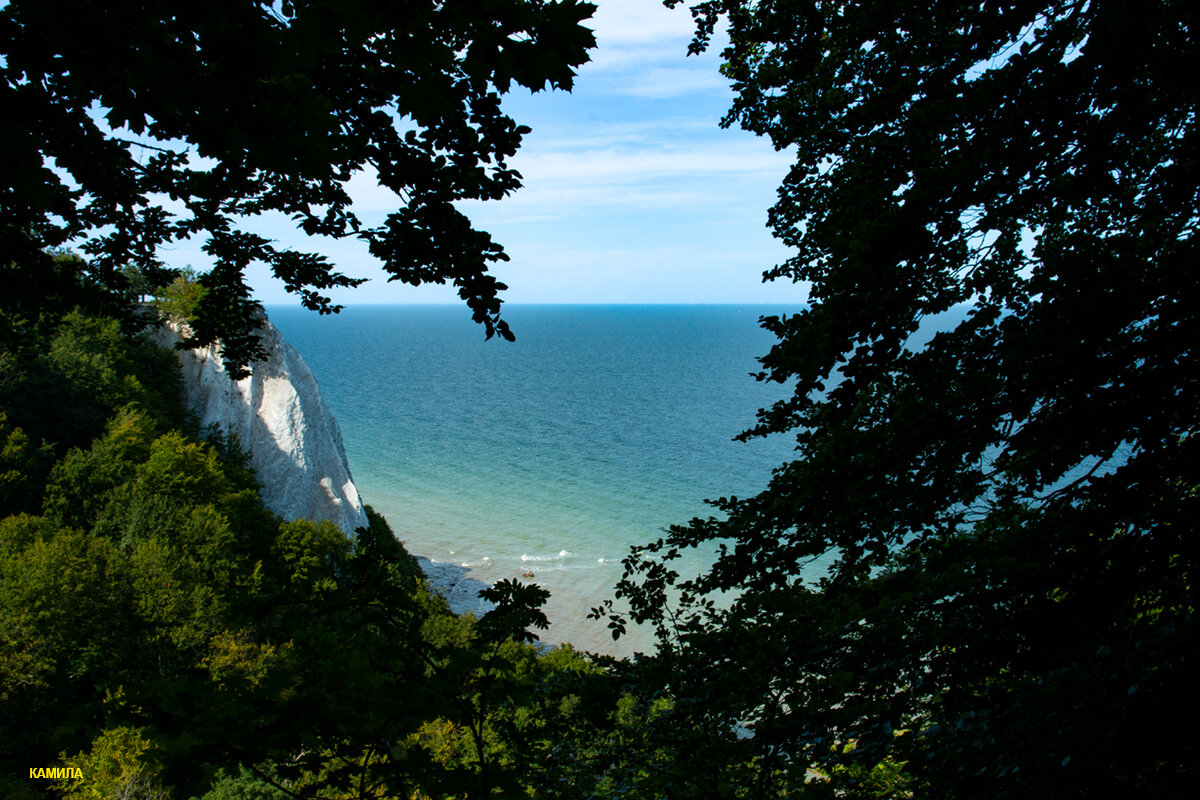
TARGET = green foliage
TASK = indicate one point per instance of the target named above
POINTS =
(166, 629)
(513, 731)
(518, 608)
(159, 628)
(241, 785)
(59, 284)
(243, 108)
(312, 554)
(184, 470)
(986, 539)
(23, 469)
(162, 626)
(117, 767)
(156, 577)
(138, 283)
(60, 603)
(80, 483)
(180, 299)
(63, 378)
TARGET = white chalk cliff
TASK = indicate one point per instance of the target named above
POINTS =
(294, 442)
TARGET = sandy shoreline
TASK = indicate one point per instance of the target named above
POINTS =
(571, 597)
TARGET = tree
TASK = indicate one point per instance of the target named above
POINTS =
(159, 627)
(180, 299)
(981, 562)
(116, 768)
(129, 127)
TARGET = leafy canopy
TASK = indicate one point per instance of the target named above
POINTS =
(167, 635)
(128, 127)
(982, 559)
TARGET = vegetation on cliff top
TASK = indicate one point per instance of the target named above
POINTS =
(170, 637)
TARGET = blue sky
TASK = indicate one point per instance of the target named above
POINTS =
(633, 193)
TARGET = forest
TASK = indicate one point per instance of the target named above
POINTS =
(1008, 511)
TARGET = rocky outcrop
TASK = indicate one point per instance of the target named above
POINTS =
(293, 440)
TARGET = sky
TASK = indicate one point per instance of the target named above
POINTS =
(632, 191)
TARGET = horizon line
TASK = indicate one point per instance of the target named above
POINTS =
(511, 303)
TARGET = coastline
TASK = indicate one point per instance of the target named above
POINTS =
(597, 430)
(567, 607)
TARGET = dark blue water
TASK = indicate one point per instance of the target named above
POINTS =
(596, 429)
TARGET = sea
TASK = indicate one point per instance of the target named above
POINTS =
(546, 458)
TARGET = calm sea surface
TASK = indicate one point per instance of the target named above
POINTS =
(598, 428)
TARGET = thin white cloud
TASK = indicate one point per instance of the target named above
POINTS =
(652, 132)
(696, 270)
(642, 52)
(662, 82)
(624, 165)
(625, 22)
(620, 59)
(647, 187)
(663, 164)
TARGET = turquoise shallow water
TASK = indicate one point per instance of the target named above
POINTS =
(596, 429)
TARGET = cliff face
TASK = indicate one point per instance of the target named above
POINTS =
(294, 443)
